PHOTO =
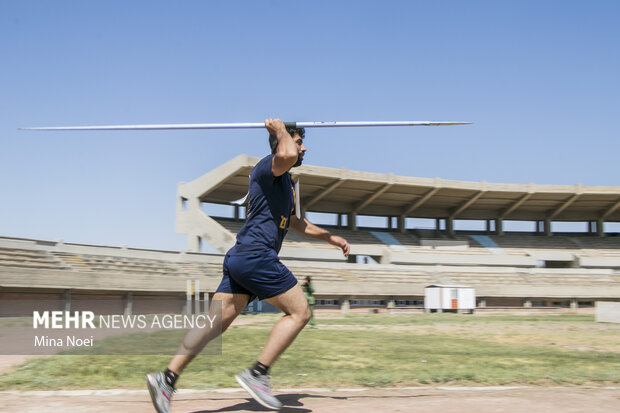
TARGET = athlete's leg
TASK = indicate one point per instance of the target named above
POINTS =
(297, 313)
(232, 305)
(312, 322)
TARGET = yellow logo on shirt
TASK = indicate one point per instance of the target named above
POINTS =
(283, 222)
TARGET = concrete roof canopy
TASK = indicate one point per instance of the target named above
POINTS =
(344, 191)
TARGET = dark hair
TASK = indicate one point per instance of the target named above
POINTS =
(273, 140)
(308, 279)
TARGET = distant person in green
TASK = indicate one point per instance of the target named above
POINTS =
(309, 293)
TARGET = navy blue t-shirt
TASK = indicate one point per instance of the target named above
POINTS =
(271, 204)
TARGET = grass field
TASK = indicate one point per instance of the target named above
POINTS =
(370, 350)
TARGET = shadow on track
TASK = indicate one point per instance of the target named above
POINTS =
(292, 402)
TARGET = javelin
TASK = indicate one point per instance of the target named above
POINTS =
(248, 125)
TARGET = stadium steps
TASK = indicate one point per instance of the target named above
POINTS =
(356, 274)
(102, 263)
(229, 224)
(389, 240)
(452, 251)
(600, 253)
(320, 274)
(510, 244)
(137, 266)
(72, 261)
(409, 242)
(486, 278)
(22, 258)
(128, 265)
(210, 269)
(529, 241)
(407, 239)
(296, 240)
(563, 279)
(43, 265)
(396, 277)
(598, 247)
(534, 279)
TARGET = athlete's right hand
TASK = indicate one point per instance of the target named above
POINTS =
(341, 243)
(275, 126)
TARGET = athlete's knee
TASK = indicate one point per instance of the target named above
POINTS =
(305, 316)
(301, 316)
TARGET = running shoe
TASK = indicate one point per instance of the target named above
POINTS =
(161, 392)
(259, 388)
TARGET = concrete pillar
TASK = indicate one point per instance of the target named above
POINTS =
(391, 304)
(339, 223)
(574, 305)
(437, 225)
(345, 305)
(193, 243)
(352, 221)
(450, 226)
(482, 302)
(527, 303)
(488, 226)
(389, 222)
(67, 300)
(401, 224)
(600, 230)
(196, 296)
(547, 224)
(206, 298)
(499, 226)
(236, 212)
(128, 304)
(189, 286)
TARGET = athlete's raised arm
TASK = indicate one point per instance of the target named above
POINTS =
(307, 228)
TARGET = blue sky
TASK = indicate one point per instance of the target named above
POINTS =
(538, 79)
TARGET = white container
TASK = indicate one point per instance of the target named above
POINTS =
(608, 312)
(456, 298)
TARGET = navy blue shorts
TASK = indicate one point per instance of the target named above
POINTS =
(257, 274)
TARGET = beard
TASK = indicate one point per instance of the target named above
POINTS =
(299, 161)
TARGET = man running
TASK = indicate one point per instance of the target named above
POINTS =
(252, 269)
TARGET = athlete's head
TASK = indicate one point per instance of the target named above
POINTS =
(298, 135)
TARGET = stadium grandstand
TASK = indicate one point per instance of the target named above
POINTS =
(389, 266)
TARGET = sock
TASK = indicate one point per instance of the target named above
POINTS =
(259, 368)
(171, 377)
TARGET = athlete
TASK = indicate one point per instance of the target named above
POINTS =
(252, 269)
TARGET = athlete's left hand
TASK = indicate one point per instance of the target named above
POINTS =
(341, 243)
